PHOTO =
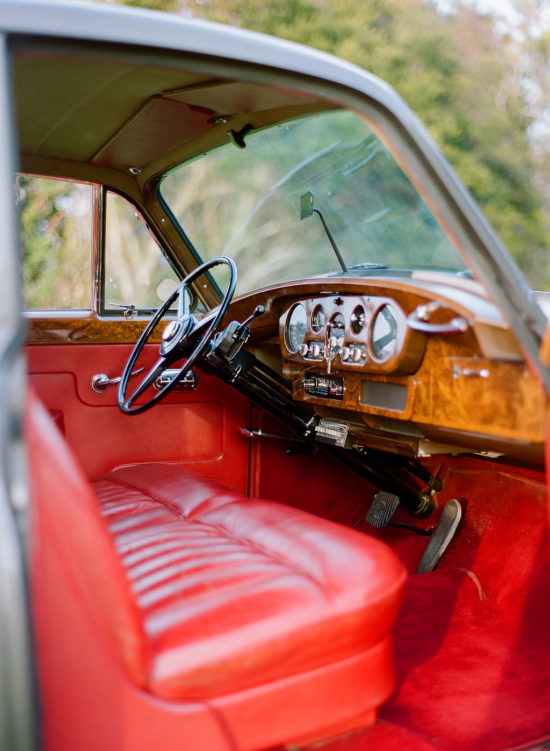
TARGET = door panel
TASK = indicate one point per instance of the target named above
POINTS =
(200, 428)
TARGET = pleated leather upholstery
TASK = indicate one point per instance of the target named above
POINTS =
(234, 593)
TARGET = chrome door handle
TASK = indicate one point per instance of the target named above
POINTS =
(419, 320)
(101, 381)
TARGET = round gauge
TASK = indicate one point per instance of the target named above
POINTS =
(358, 319)
(336, 326)
(383, 338)
(337, 321)
(296, 327)
(318, 319)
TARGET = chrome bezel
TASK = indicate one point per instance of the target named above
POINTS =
(315, 326)
(375, 317)
(358, 319)
(290, 344)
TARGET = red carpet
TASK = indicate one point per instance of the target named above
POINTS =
(472, 642)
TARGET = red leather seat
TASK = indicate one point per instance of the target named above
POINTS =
(270, 621)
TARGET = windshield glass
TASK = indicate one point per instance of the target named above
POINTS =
(245, 203)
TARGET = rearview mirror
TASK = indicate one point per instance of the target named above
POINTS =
(306, 205)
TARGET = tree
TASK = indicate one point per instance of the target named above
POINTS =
(461, 75)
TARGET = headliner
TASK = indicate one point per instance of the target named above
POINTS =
(120, 113)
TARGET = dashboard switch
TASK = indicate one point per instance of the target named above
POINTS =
(335, 433)
(324, 386)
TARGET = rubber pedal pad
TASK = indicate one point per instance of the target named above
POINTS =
(382, 509)
(441, 536)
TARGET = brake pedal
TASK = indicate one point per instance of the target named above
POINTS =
(441, 536)
(384, 506)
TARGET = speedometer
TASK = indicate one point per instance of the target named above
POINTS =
(383, 338)
(296, 327)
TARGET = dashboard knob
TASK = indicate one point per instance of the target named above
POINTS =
(345, 354)
(333, 342)
(314, 350)
(357, 354)
(303, 349)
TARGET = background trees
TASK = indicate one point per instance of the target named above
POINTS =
(482, 90)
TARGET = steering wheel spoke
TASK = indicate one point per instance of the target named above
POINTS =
(158, 369)
(183, 302)
(177, 339)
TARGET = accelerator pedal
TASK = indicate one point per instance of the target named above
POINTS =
(441, 537)
(382, 509)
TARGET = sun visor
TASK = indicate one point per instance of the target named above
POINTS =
(161, 125)
(236, 97)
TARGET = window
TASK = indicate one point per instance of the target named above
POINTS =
(56, 223)
(246, 203)
(136, 271)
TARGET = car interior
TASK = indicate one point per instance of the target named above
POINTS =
(316, 516)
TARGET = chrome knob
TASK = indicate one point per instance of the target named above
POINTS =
(314, 350)
(304, 350)
(356, 354)
(345, 354)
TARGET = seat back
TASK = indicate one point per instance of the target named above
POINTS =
(67, 529)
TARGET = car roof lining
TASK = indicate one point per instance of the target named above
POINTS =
(115, 113)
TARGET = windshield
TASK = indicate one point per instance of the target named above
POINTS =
(245, 203)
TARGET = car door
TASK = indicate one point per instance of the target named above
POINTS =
(17, 692)
(93, 275)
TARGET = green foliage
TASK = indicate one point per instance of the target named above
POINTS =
(171, 6)
(462, 78)
(56, 241)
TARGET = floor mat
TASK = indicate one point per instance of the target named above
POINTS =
(473, 640)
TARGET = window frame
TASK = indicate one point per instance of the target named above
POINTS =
(97, 307)
(100, 262)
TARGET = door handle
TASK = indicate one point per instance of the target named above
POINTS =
(101, 382)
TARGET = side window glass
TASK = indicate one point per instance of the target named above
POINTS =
(136, 271)
(56, 222)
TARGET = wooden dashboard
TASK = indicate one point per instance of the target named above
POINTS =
(417, 366)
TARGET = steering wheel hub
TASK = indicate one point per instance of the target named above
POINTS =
(171, 331)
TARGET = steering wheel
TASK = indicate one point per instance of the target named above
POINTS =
(176, 339)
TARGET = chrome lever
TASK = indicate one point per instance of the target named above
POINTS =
(419, 320)
(296, 443)
(188, 382)
(101, 381)
(129, 310)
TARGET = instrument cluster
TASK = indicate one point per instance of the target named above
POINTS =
(367, 333)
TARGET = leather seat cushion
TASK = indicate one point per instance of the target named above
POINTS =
(234, 593)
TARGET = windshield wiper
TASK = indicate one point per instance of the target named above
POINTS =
(366, 265)
(363, 269)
